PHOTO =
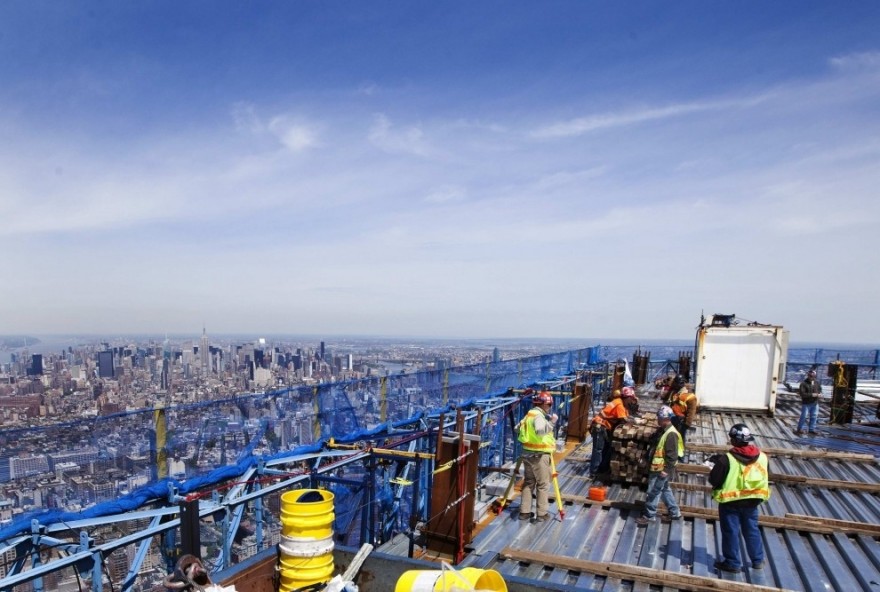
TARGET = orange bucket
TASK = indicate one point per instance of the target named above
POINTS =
(597, 494)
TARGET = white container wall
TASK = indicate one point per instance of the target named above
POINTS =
(739, 367)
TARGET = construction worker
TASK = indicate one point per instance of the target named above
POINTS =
(613, 414)
(663, 384)
(809, 390)
(740, 483)
(536, 434)
(664, 458)
(683, 404)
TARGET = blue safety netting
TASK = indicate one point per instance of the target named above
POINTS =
(210, 442)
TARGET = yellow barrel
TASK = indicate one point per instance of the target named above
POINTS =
(468, 578)
(306, 549)
(299, 572)
(307, 513)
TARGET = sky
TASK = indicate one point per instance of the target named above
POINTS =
(449, 169)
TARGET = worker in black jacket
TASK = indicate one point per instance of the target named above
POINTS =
(740, 483)
(809, 390)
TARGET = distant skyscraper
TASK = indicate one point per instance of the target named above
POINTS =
(322, 350)
(496, 355)
(205, 353)
(36, 368)
(105, 364)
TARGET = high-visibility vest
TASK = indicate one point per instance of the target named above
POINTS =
(531, 441)
(658, 462)
(743, 481)
(678, 402)
(605, 420)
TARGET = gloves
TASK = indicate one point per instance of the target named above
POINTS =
(554, 417)
(714, 458)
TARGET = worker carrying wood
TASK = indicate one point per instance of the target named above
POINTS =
(536, 434)
(683, 404)
(612, 415)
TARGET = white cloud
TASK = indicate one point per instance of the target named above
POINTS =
(409, 140)
(295, 135)
(770, 184)
(446, 194)
(867, 60)
(590, 123)
(246, 120)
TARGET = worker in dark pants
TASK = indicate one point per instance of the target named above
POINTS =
(614, 413)
(740, 483)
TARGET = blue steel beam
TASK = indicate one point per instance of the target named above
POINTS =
(138, 560)
(235, 500)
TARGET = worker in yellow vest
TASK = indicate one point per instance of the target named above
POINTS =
(664, 458)
(740, 483)
(536, 434)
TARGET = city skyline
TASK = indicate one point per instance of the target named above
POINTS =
(499, 171)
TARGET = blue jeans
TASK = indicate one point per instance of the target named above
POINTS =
(658, 488)
(601, 450)
(811, 410)
(736, 518)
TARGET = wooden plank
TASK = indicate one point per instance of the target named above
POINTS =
(795, 479)
(623, 571)
(788, 522)
(839, 525)
(792, 452)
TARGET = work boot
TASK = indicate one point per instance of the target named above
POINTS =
(667, 519)
(799, 432)
(543, 518)
(527, 516)
(758, 565)
(644, 521)
(724, 566)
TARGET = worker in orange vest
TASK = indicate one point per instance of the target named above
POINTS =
(683, 404)
(613, 414)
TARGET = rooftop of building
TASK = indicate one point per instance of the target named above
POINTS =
(819, 527)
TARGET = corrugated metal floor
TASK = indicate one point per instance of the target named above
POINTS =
(796, 559)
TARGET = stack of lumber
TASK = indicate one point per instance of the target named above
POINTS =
(631, 445)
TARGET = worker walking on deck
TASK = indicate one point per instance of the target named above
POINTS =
(740, 483)
(683, 404)
(613, 414)
(809, 390)
(536, 434)
(664, 458)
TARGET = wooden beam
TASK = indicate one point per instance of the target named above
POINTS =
(623, 571)
(797, 522)
(838, 525)
(794, 479)
(792, 452)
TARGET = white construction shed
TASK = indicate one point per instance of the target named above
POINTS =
(739, 363)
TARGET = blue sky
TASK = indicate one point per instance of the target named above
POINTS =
(552, 169)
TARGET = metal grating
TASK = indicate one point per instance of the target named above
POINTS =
(796, 559)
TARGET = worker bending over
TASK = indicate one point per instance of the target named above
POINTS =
(683, 404)
(612, 415)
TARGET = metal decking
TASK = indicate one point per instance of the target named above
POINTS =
(800, 554)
